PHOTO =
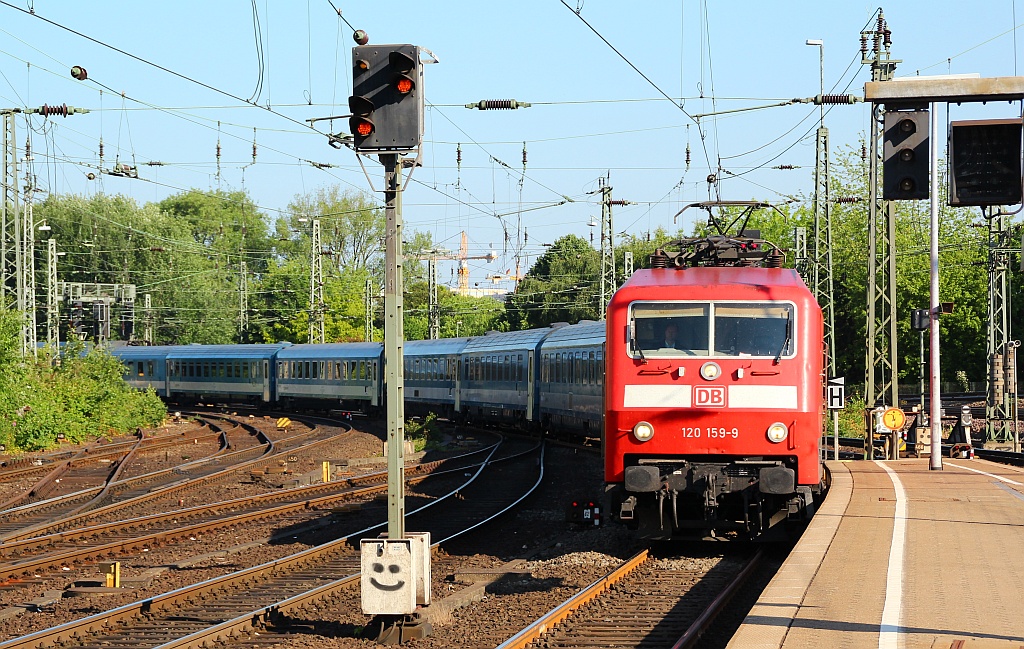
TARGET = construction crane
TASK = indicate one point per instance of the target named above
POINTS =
(464, 257)
(432, 255)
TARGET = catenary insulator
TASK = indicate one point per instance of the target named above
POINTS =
(712, 178)
(524, 154)
(79, 73)
(46, 110)
(498, 104)
(658, 259)
(863, 152)
(687, 154)
(360, 36)
(846, 199)
(864, 44)
(458, 154)
(783, 167)
(618, 201)
(836, 99)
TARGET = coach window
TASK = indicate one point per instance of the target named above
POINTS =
(231, 368)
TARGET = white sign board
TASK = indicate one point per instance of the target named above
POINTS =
(389, 576)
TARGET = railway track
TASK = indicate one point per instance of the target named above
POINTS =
(36, 555)
(107, 491)
(140, 494)
(646, 602)
(226, 608)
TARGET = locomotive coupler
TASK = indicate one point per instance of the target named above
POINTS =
(661, 508)
(710, 499)
(675, 509)
(626, 510)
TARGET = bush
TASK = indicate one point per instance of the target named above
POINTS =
(423, 434)
(80, 395)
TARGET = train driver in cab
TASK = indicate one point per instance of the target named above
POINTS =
(670, 336)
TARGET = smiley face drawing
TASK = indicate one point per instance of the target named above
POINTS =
(394, 570)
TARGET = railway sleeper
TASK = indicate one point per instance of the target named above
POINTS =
(681, 498)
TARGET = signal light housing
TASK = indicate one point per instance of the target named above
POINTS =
(985, 162)
(905, 154)
(387, 98)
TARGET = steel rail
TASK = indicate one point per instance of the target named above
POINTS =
(703, 621)
(265, 456)
(69, 632)
(300, 495)
(568, 607)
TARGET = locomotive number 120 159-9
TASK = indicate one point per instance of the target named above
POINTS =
(712, 432)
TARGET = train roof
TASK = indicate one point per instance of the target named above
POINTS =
(583, 333)
(713, 283)
(136, 352)
(202, 352)
(507, 340)
(441, 347)
(711, 277)
(333, 351)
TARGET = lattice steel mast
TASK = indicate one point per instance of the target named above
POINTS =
(881, 384)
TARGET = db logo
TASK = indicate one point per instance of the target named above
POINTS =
(709, 396)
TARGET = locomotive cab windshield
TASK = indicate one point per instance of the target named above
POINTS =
(723, 329)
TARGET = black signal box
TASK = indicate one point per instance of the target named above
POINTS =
(985, 162)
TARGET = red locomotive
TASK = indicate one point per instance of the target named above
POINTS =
(714, 393)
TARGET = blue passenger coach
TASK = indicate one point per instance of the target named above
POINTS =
(229, 372)
(571, 381)
(145, 367)
(334, 374)
(499, 375)
(431, 375)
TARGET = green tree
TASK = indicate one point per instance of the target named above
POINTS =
(558, 288)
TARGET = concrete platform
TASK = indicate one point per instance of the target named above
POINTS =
(900, 556)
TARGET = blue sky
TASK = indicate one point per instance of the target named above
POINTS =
(593, 115)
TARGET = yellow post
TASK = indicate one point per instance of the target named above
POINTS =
(326, 471)
(112, 571)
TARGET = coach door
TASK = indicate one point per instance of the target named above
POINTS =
(529, 386)
(266, 381)
(458, 385)
(166, 387)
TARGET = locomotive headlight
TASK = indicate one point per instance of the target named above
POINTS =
(777, 432)
(643, 431)
(710, 371)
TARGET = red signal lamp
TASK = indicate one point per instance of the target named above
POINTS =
(404, 85)
(361, 126)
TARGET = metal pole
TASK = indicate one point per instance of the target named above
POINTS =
(935, 461)
(835, 432)
(433, 309)
(52, 307)
(393, 338)
(147, 306)
(28, 265)
(317, 332)
(243, 301)
(368, 303)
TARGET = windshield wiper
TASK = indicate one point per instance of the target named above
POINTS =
(785, 343)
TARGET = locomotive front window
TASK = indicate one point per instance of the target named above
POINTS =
(722, 329)
(754, 330)
(665, 329)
